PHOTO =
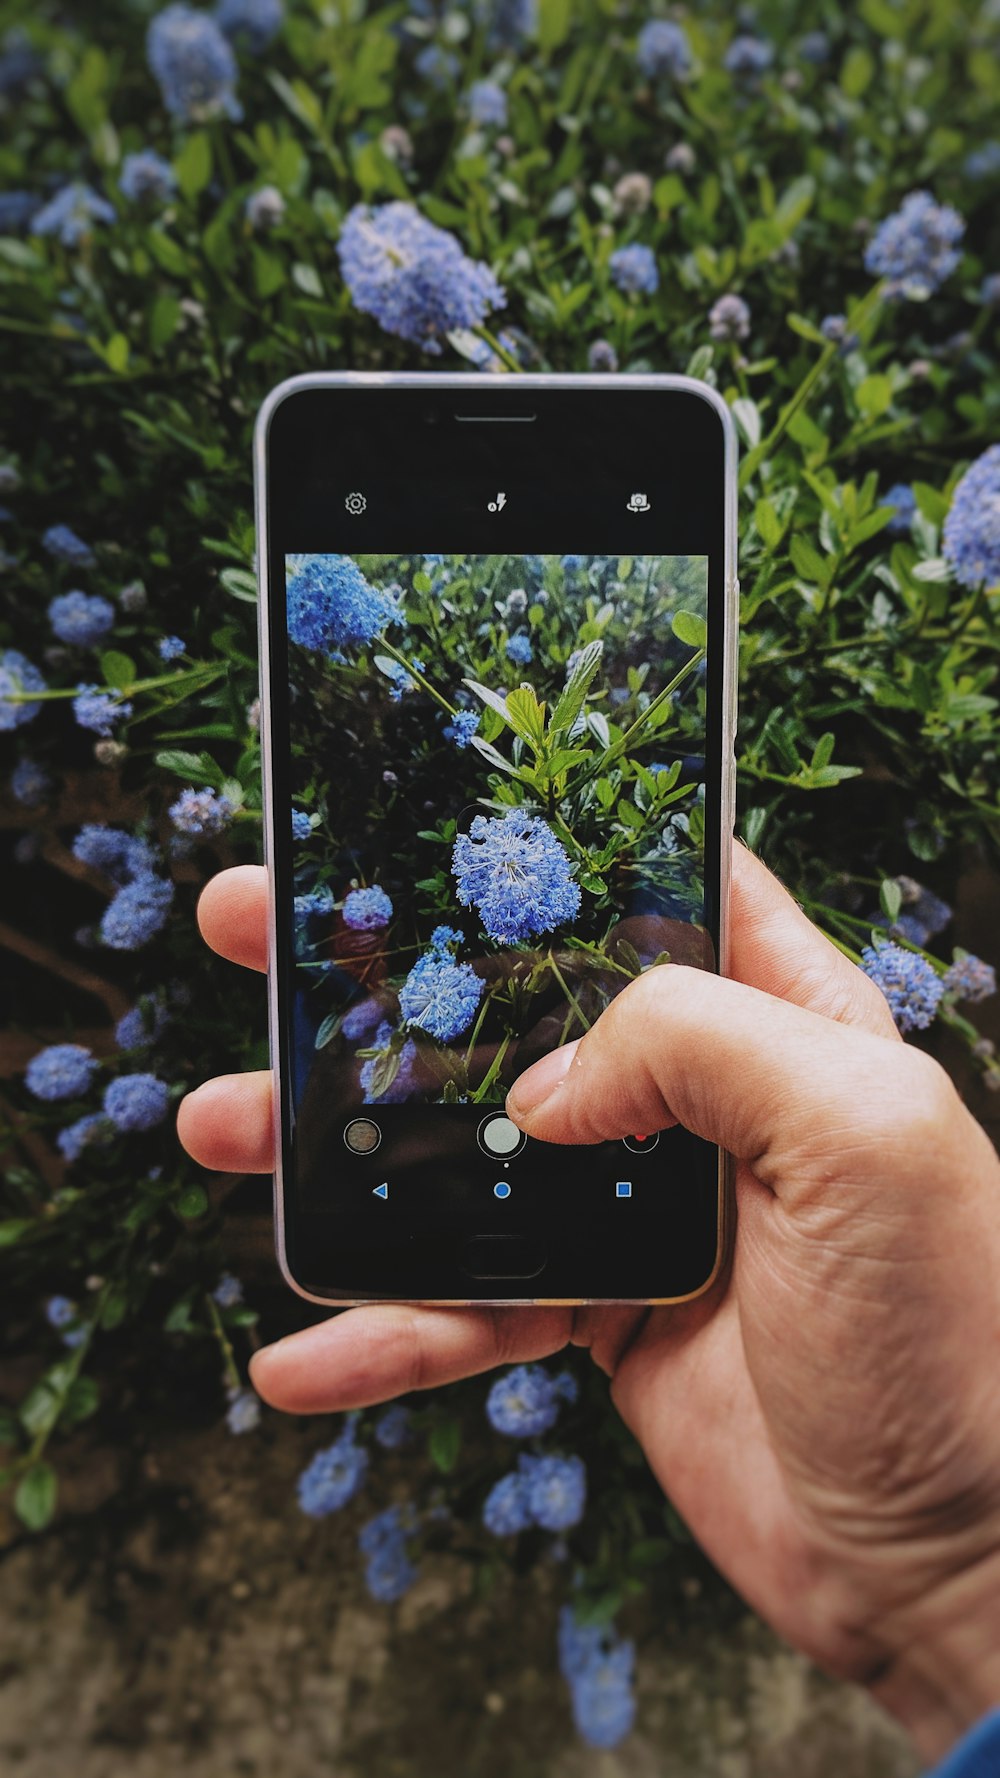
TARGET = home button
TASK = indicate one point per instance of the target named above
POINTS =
(502, 1256)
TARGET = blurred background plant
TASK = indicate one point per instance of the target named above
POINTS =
(799, 204)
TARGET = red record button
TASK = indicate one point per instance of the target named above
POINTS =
(641, 1144)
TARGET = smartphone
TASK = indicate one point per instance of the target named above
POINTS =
(498, 643)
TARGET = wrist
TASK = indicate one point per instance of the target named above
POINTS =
(945, 1675)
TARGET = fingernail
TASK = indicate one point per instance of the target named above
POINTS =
(533, 1087)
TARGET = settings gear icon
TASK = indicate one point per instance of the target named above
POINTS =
(355, 503)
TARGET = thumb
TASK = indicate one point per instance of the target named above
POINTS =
(799, 1097)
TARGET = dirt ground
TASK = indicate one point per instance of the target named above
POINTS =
(193, 1624)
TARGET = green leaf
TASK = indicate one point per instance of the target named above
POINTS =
(747, 416)
(163, 318)
(82, 1400)
(891, 898)
(444, 1444)
(193, 1202)
(118, 670)
(526, 715)
(768, 524)
(554, 20)
(198, 768)
(35, 1500)
(822, 752)
(307, 279)
(168, 255)
(570, 702)
(116, 353)
(268, 271)
(874, 396)
(12, 1230)
(858, 71)
(807, 560)
(690, 628)
(240, 584)
(193, 164)
(114, 1309)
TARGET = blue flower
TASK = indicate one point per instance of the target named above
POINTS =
(572, 564)
(136, 1101)
(99, 710)
(748, 57)
(602, 356)
(508, 21)
(71, 214)
(441, 996)
(910, 984)
(81, 619)
(137, 913)
(729, 319)
(814, 47)
(394, 1426)
(17, 675)
(488, 104)
(514, 871)
(403, 1082)
(87, 1132)
(915, 249)
(118, 854)
(412, 276)
(989, 291)
(201, 813)
(984, 162)
(194, 65)
(265, 208)
(146, 178)
(463, 725)
(64, 545)
(301, 825)
(63, 1315)
(29, 783)
(331, 604)
(19, 63)
(170, 648)
(446, 938)
(334, 1476)
(634, 269)
(16, 210)
(519, 651)
(243, 1412)
(141, 1025)
(926, 913)
(367, 910)
(525, 1401)
(399, 678)
(969, 978)
(228, 1292)
(599, 1668)
(62, 1071)
(556, 1490)
(438, 66)
(972, 528)
(506, 1510)
(903, 501)
(389, 1573)
(663, 48)
(835, 328)
(362, 1019)
(250, 24)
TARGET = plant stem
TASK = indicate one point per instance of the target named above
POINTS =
(491, 1073)
(233, 1379)
(417, 675)
(567, 990)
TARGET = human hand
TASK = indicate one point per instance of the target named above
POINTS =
(826, 1420)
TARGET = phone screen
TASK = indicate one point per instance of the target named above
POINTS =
(499, 780)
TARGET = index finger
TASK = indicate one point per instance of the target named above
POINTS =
(232, 915)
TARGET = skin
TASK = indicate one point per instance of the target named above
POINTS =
(827, 1418)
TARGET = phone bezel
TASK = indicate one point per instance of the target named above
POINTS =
(462, 383)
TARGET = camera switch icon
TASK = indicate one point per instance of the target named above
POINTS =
(638, 503)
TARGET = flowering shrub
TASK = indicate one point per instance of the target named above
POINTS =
(233, 194)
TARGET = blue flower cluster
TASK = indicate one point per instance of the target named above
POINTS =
(29, 783)
(599, 1668)
(81, 619)
(903, 501)
(508, 21)
(63, 545)
(72, 213)
(99, 710)
(201, 813)
(194, 65)
(243, 1412)
(634, 270)
(402, 1083)
(663, 49)
(389, 1572)
(367, 910)
(438, 66)
(440, 995)
(331, 604)
(228, 1292)
(516, 874)
(139, 909)
(301, 825)
(141, 1025)
(250, 24)
(136, 1101)
(86, 1132)
(463, 725)
(146, 178)
(835, 328)
(170, 648)
(525, 1402)
(969, 978)
(62, 1071)
(916, 248)
(729, 319)
(487, 104)
(519, 651)
(16, 210)
(334, 1475)
(972, 527)
(17, 676)
(910, 984)
(63, 1314)
(748, 57)
(412, 276)
(119, 855)
(394, 1427)
(548, 1491)
(602, 357)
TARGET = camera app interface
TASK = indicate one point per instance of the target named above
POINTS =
(497, 822)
